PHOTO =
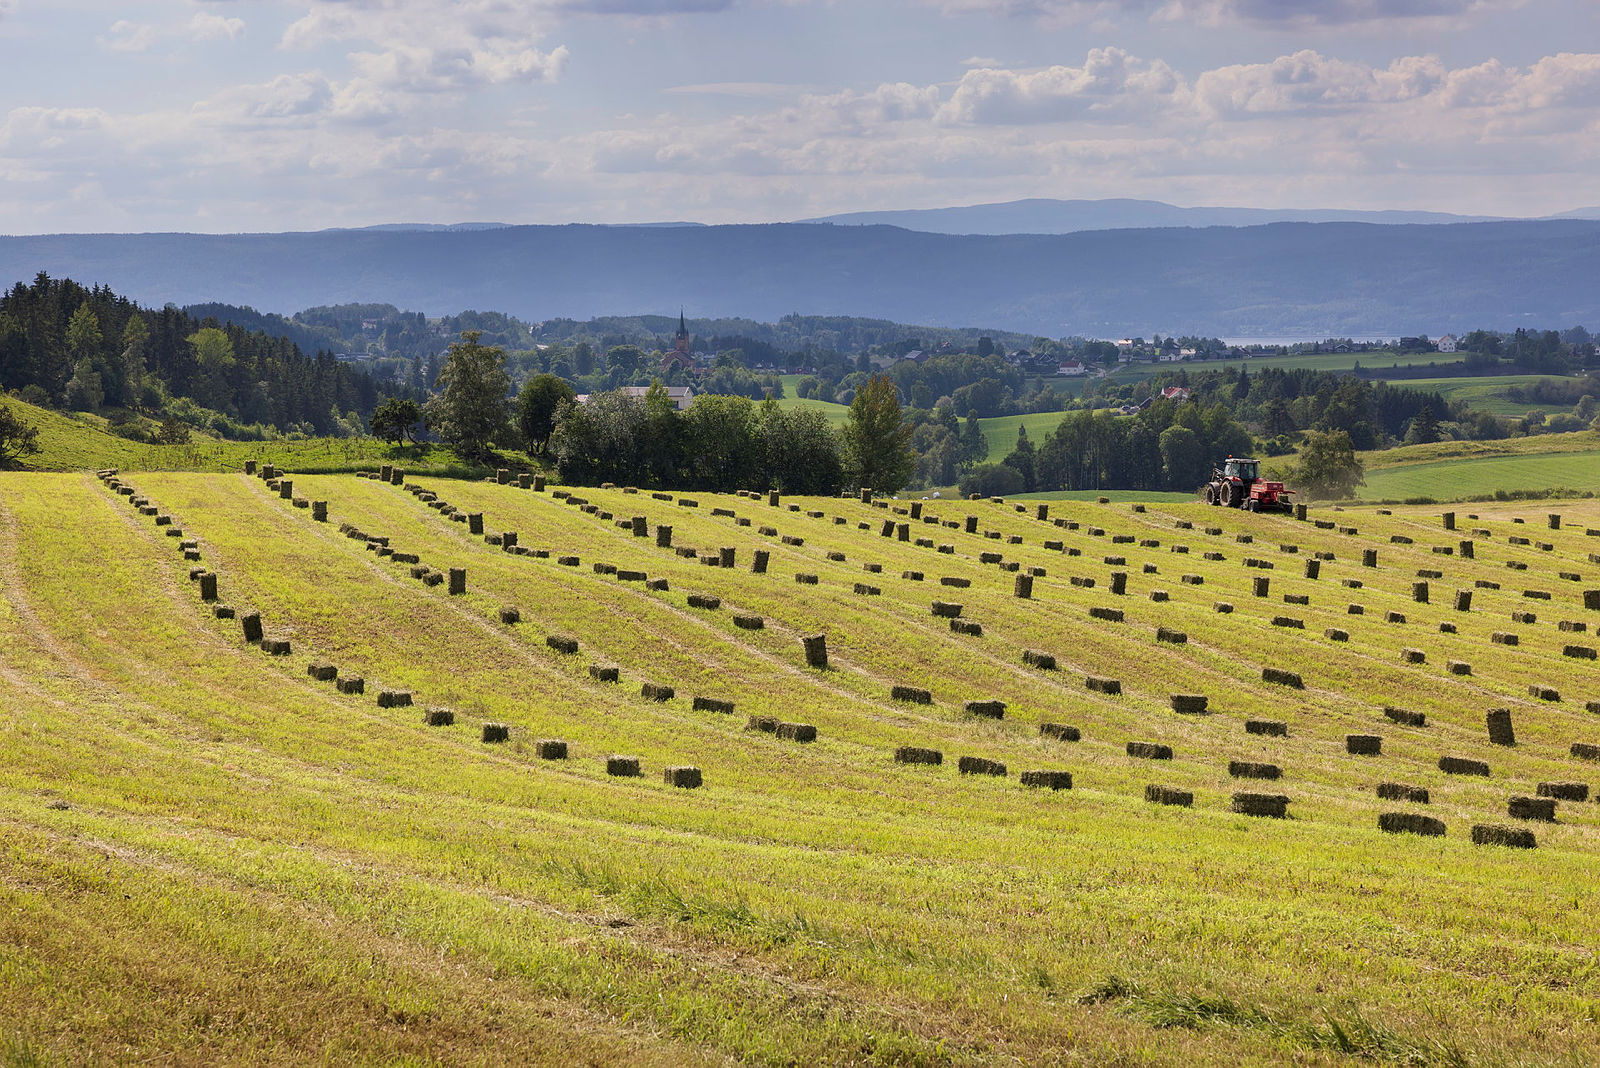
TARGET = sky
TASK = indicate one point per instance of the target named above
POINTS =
(224, 116)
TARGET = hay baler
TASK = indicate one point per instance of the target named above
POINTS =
(1237, 483)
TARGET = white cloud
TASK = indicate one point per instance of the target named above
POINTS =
(427, 47)
(1111, 83)
(39, 125)
(286, 97)
(643, 8)
(388, 137)
(125, 36)
(1300, 13)
(422, 69)
(1266, 13)
(206, 26)
(1560, 81)
(739, 89)
(1308, 81)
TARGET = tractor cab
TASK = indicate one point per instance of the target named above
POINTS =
(1243, 470)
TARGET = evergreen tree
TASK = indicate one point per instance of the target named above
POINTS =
(974, 446)
(1021, 459)
(1424, 427)
(84, 390)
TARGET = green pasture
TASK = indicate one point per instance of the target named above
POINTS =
(1446, 480)
(1324, 361)
(81, 442)
(1486, 394)
(1001, 431)
(73, 443)
(209, 856)
(1455, 470)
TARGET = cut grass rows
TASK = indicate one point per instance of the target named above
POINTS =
(810, 902)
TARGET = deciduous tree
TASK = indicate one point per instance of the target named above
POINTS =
(1328, 467)
(396, 420)
(469, 412)
(541, 397)
(877, 443)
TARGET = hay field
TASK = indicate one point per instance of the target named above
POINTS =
(209, 856)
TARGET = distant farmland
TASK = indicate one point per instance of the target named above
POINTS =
(214, 853)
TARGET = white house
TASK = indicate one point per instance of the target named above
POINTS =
(681, 396)
(1448, 343)
(1072, 367)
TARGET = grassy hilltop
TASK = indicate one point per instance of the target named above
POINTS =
(1453, 470)
(210, 856)
(82, 441)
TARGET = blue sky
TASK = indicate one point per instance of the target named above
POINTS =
(256, 115)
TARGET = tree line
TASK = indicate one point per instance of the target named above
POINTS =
(727, 443)
(718, 443)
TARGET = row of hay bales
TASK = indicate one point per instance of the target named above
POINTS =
(953, 611)
(681, 776)
(1463, 598)
(1363, 744)
(205, 579)
(1287, 678)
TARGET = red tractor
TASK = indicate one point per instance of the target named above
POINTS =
(1237, 483)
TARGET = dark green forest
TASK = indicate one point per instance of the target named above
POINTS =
(88, 349)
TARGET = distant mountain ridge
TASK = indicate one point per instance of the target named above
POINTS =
(1322, 279)
(1040, 216)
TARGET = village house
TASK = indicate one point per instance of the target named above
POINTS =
(1448, 343)
(681, 396)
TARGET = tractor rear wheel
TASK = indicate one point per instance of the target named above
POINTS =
(1229, 495)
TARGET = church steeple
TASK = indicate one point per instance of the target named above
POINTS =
(683, 333)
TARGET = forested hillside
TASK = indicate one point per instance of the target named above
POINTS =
(90, 349)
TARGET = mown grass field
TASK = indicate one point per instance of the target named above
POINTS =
(208, 856)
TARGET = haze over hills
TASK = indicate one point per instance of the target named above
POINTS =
(1045, 216)
(1323, 279)
(1071, 216)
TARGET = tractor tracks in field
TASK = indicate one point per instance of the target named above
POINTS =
(662, 944)
(480, 981)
